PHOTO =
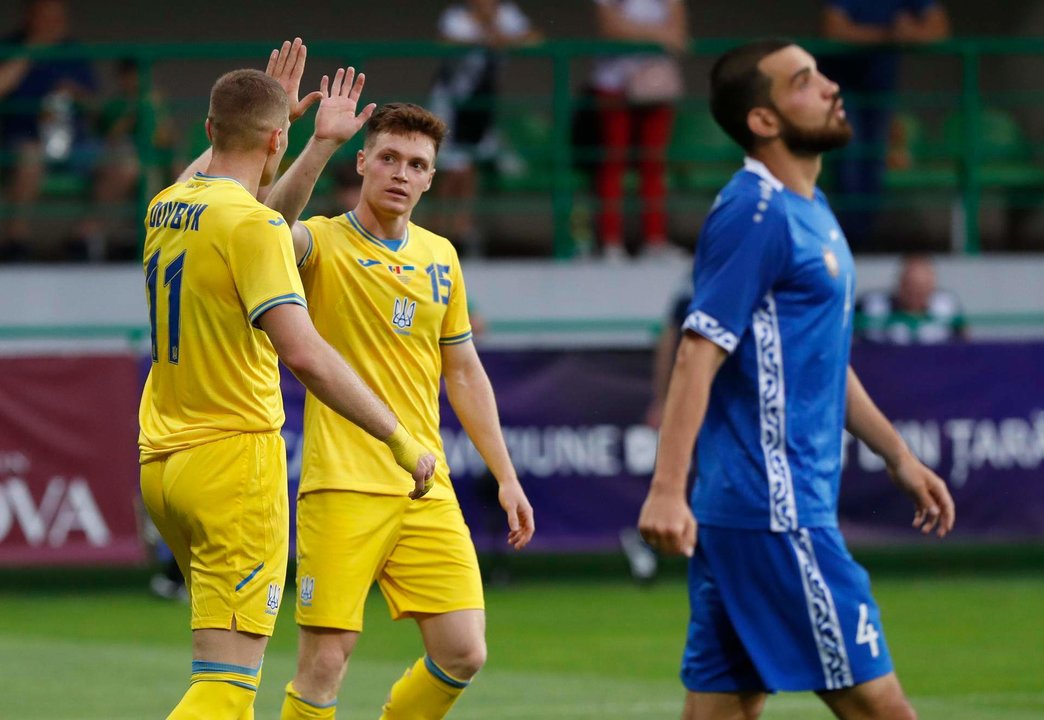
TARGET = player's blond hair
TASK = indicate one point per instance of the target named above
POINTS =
(245, 105)
(405, 119)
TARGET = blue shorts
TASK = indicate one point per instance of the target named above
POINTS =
(780, 611)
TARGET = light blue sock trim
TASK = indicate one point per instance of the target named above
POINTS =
(205, 666)
(319, 706)
(442, 675)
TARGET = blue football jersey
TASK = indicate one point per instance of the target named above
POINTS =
(774, 281)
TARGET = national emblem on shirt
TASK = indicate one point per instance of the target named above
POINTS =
(402, 315)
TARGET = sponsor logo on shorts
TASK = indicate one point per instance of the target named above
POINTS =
(274, 593)
(307, 590)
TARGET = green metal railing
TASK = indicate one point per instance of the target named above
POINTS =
(969, 97)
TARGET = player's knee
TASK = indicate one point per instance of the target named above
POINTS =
(326, 665)
(467, 661)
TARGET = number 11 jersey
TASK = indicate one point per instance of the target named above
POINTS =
(215, 260)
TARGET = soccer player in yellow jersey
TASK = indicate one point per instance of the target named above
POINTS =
(224, 300)
(389, 296)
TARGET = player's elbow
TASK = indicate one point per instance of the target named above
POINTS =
(301, 359)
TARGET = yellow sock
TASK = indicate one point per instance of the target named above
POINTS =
(249, 713)
(218, 691)
(296, 707)
(424, 692)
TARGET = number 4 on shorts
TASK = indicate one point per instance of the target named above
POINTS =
(866, 632)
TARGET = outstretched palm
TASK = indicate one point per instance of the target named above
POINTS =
(337, 119)
(287, 65)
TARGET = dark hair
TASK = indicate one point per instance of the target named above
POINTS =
(245, 105)
(738, 86)
(405, 119)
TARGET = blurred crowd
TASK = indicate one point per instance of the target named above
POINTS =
(72, 130)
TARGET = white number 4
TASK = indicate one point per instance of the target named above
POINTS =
(866, 632)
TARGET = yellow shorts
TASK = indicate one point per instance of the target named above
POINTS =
(222, 508)
(419, 552)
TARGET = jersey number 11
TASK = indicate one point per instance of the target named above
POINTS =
(171, 279)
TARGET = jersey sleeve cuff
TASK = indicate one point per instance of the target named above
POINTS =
(267, 305)
(308, 253)
(702, 323)
(456, 339)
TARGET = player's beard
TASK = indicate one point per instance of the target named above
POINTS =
(835, 133)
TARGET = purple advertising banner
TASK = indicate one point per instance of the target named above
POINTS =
(573, 421)
(68, 462)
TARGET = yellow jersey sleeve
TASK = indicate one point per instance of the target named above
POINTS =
(308, 261)
(261, 258)
(456, 325)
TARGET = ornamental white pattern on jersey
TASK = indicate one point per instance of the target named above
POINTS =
(772, 414)
(822, 612)
(711, 329)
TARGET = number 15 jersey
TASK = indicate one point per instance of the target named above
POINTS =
(215, 260)
(388, 307)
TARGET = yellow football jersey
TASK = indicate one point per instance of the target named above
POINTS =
(387, 307)
(215, 260)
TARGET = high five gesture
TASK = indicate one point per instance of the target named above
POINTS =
(337, 120)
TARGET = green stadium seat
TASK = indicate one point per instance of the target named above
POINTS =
(931, 162)
(1006, 156)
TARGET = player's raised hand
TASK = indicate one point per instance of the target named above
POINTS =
(337, 119)
(933, 506)
(423, 476)
(667, 524)
(286, 64)
(521, 525)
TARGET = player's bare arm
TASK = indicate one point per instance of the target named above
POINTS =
(327, 376)
(934, 507)
(336, 122)
(471, 395)
(666, 521)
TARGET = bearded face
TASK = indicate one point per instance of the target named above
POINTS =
(808, 140)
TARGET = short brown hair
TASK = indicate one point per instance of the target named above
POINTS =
(405, 119)
(245, 105)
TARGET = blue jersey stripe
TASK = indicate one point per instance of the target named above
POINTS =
(269, 304)
(308, 252)
(456, 339)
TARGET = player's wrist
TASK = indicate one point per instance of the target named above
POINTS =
(664, 487)
(404, 448)
(326, 144)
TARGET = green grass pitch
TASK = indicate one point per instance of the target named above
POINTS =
(967, 647)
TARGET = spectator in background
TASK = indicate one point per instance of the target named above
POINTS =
(120, 168)
(869, 80)
(635, 96)
(915, 312)
(43, 123)
(464, 96)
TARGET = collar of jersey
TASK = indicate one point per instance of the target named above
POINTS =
(393, 245)
(204, 176)
(758, 168)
